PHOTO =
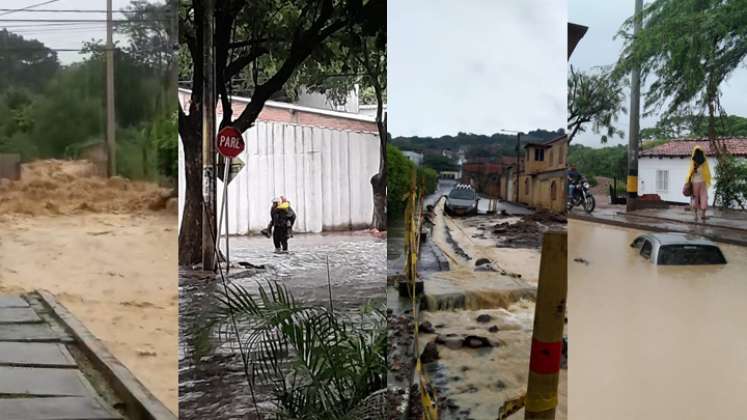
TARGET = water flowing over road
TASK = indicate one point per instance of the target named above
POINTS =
(212, 382)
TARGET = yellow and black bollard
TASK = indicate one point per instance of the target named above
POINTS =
(549, 320)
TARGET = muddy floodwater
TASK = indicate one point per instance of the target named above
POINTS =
(652, 341)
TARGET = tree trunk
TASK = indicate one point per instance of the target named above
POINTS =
(190, 234)
(379, 181)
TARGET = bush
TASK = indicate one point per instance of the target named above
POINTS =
(731, 183)
(319, 363)
(428, 179)
(399, 175)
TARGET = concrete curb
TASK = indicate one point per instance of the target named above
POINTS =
(652, 228)
(687, 222)
(139, 402)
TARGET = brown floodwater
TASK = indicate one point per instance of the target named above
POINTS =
(653, 342)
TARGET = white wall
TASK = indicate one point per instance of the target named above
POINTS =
(677, 168)
(324, 173)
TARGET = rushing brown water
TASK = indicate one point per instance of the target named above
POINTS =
(653, 342)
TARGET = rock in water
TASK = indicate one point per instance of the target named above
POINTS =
(430, 353)
(476, 342)
(426, 327)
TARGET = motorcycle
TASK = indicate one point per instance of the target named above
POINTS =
(581, 196)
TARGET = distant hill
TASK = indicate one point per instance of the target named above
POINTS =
(475, 144)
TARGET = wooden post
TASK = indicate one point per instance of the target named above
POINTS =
(549, 320)
(111, 144)
(209, 232)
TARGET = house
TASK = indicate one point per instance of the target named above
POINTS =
(415, 157)
(321, 160)
(662, 170)
(542, 180)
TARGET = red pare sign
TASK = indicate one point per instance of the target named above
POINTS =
(229, 142)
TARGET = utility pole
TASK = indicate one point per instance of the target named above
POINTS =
(111, 145)
(209, 233)
(547, 334)
(634, 128)
(518, 163)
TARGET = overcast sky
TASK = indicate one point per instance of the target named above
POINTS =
(477, 66)
(599, 48)
(57, 34)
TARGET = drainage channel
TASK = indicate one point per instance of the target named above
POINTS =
(53, 368)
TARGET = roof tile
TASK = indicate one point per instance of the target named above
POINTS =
(737, 146)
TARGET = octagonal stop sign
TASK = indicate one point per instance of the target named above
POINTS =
(229, 142)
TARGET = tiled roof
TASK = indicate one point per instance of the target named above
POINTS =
(683, 147)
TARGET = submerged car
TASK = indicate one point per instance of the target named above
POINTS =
(678, 249)
(462, 201)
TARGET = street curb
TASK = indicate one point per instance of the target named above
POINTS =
(139, 402)
(687, 222)
(641, 226)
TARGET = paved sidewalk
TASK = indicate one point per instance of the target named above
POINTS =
(726, 227)
(39, 377)
(732, 219)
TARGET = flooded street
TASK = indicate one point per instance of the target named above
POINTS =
(212, 383)
(651, 341)
(476, 327)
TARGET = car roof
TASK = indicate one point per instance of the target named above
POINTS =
(676, 238)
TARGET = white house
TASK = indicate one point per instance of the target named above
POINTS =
(321, 160)
(662, 170)
(415, 157)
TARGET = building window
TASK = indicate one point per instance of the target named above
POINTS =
(539, 155)
(662, 180)
(526, 186)
(560, 154)
(551, 156)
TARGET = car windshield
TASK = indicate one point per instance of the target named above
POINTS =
(462, 194)
(690, 255)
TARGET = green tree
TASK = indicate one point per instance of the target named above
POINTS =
(399, 174)
(25, 63)
(594, 98)
(609, 162)
(689, 48)
(697, 126)
(439, 163)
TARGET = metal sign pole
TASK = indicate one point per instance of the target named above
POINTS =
(224, 206)
(228, 258)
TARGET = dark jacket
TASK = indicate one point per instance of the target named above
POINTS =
(282, 218)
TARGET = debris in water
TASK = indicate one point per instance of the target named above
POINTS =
(581, 261)
(483, 318)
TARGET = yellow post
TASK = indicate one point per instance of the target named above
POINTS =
(549, 320)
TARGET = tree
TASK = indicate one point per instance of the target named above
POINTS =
(25, 63)
(594, 98)
(439, 163)
(689, 47)
(265, 43)
(677, 126)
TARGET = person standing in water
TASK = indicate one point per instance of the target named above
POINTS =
(282, 219)
(700, 178)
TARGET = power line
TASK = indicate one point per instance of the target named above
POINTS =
(82, 20)
(70, 11)
(9, 11)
